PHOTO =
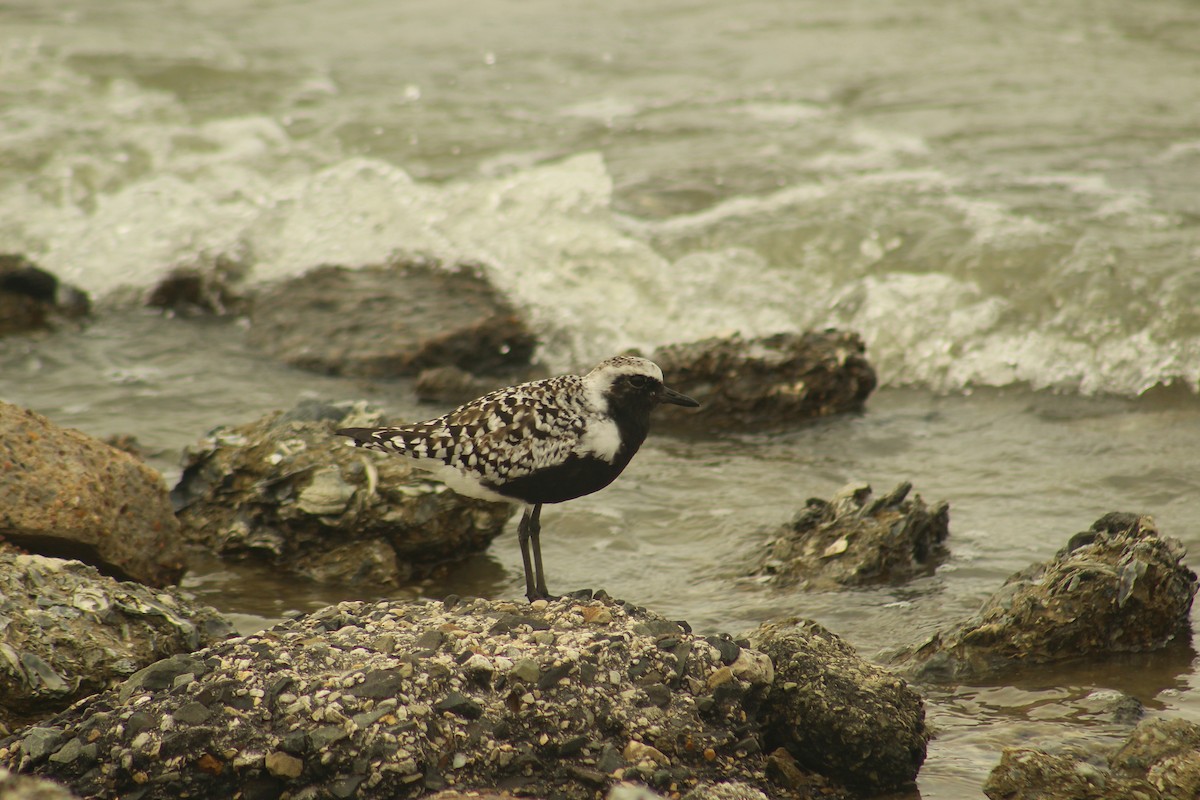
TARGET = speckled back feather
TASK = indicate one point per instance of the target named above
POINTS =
(501, 436)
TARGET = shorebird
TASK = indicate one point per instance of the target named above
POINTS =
(540, 442)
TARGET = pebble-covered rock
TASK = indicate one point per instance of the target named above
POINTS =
(1116, 588)
(286, 490)
(1159, 761)
(392, 320)
(67, 631)
(767, 382)
(33, 299)
(858, 723)
(563, 698)
(64, 493)
(856, 539)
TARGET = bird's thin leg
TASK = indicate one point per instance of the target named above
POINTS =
(535, 533)
(523, 539)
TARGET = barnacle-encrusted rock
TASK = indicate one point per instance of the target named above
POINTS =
(1159, 761)
(856, 540)
(63, 493)
(287, 490)
(564, 698)
(1116, 588)
(769, 381)
(838, 714)
(391, 320)
(33, 299)
(67, 631)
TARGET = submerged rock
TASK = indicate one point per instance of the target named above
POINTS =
(33, 299)
(391, 320)
(285, 489)
(854, 540)
(66, 631)
(63, 493)
(1159, 761)
(858, 723)
(769, 381)
(1116, 588)
(565, 698)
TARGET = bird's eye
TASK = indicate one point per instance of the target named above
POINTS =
(637, 381)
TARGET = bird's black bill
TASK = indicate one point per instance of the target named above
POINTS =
(672, 396)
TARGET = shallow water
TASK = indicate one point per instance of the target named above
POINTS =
(1001, 199)
(1022, 472)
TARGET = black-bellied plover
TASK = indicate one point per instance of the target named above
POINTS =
(541, 442)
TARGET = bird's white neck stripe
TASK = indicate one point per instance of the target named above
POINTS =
(602, 439)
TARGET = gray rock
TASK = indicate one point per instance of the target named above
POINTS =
(67, 631)
(26, 787)
(285, 490)
(65, 494)
(311, 706)
(32, 299)
(1159, 761)
(391, 320)
(837, 714)
(1116, 588)
(210, 286)
(767, 382)
(452, 386)
(856, 540)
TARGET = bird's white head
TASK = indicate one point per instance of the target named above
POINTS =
(630, 380)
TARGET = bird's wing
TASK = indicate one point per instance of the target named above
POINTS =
(504, 435)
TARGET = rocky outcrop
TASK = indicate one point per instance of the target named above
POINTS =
(1159, 761)
(861, 725)
(67, 631)
(767, 382)
(63, 493)
(391, 321)
(1116, 588)
(288, 491)
(856, 540)
(33, 299)
(386, 700)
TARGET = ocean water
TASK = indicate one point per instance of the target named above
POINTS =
(1002, 201)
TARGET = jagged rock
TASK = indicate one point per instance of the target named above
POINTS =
(389, 700)
(854, 540)
(32, 299)
(1159, 761)
(63, 493)
(286, 490)
(211, 286)
(391, 320)
(837, 714)
(1116, 588)
(25, 787)
(770, 381)
(67, 631)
